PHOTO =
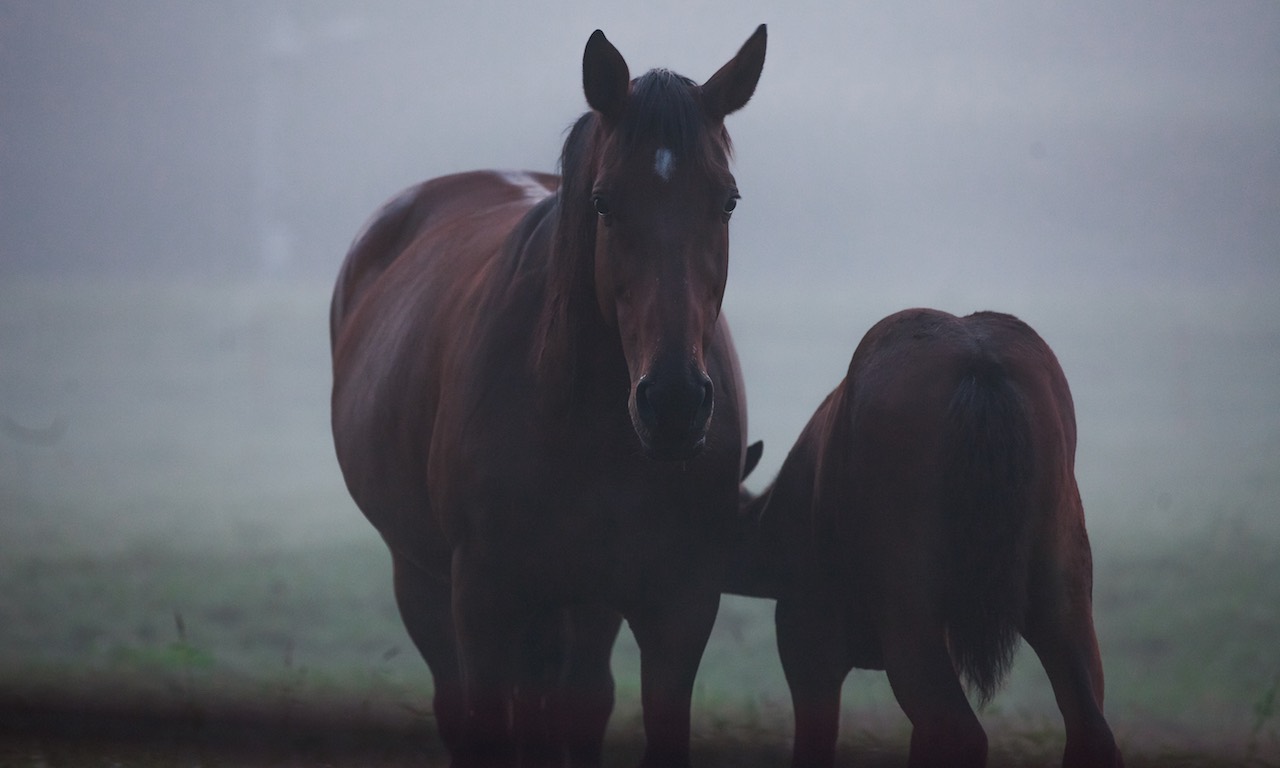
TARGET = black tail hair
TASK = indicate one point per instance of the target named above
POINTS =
(989, 523)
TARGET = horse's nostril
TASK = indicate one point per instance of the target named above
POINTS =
(708, 396)
(643, 404)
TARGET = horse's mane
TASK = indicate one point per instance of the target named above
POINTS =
(663, 110)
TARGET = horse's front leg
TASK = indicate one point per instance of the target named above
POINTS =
(490, 619)
(586, 693)
(671, 637)
(565, 694)
(545, 654)
(425, 606)
(812, 647)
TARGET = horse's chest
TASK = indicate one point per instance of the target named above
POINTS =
(568, 508)
(612, 536)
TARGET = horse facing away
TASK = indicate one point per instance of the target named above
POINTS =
(927, 515)
(538, 405)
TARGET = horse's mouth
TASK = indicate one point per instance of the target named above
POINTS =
(680, 449)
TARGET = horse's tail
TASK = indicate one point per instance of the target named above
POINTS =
(989, 465)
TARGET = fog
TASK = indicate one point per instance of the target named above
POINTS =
(179, 183)
(1023, 141)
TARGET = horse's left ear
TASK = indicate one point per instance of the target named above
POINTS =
(729, 89)
(606, 81)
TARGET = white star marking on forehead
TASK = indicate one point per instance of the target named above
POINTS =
(664, 163)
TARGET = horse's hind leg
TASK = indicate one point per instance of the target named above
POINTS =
(424, 604)
(944, 729)
(1060, 630)
(812, 648)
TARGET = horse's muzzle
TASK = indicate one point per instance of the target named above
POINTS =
(671, 415)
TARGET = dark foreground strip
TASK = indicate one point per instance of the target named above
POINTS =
(61, 730)
(232, 732)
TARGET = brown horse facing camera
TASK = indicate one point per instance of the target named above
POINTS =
(928, 515)
(538, 405)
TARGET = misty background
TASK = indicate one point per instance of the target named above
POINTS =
(179, 183)
(928, 141)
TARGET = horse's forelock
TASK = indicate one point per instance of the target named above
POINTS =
(664, 109)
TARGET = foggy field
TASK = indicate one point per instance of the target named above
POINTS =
(186, 542)
(183, 577)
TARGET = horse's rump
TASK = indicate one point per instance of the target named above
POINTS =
(953, 417)
(927, 519)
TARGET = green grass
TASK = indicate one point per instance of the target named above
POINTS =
(189, 545)
(1191, 664)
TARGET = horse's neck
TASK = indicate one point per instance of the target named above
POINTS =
(785, 511)
(755, 565)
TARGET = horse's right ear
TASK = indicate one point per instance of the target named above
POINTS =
(605, 78)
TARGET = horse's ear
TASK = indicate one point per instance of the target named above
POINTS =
(754, 451)
(605, 78)
(729, 89)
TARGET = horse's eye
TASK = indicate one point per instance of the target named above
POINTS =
(601, 204)
(731, 204)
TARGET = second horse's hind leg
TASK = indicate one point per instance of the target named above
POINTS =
(1060, 630)
(944, 729)
(424, 603)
